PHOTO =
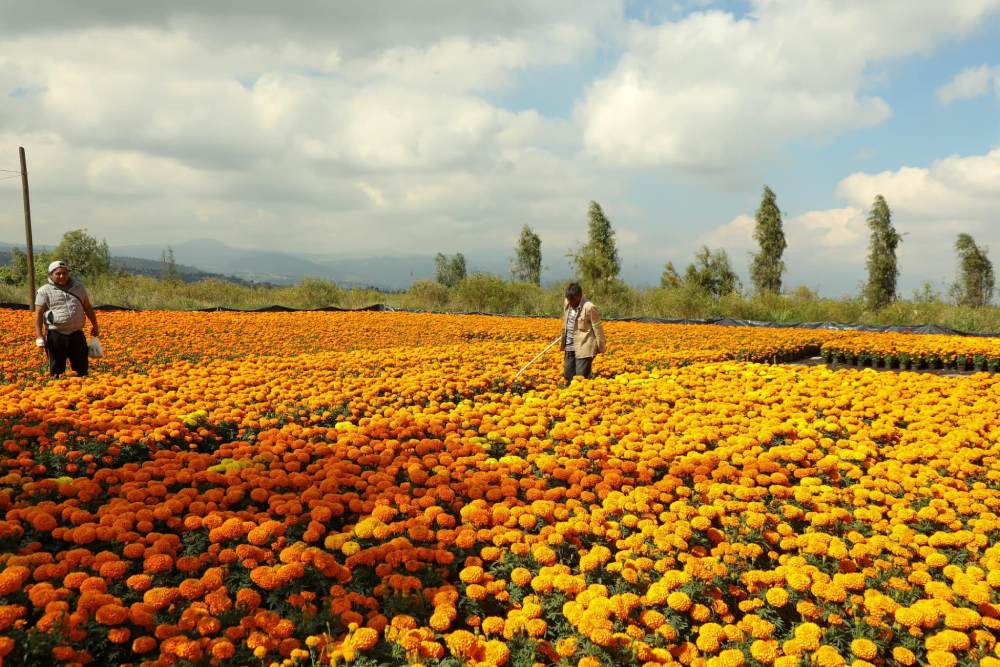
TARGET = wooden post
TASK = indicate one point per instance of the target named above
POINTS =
(27, 229)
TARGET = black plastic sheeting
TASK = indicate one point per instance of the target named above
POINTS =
(722, 321)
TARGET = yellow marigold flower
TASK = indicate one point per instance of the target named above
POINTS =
(460, 643)
(903, 656)
(709, 638)
(521, 576)
(962, 618)
(947, 640)
(652, 619)
(731, 658)
(535, 627)
(798, 581)
(776, 597)
(864, 648)
(764, 651)
(808, 635)
(439, 621)
(828, 656)
(364, 639)
(492, 625)
(941, 659)
(566, 647)
(679, 601)
(700, 613)
(701, 523)
(471, 575)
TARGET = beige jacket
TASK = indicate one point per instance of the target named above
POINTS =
(588, 336)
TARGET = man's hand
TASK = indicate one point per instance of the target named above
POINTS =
(40, 342)
(95, 331)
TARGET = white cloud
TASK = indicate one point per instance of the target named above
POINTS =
(714, 92)
(970, 83)
(341, 127)
(930, 206)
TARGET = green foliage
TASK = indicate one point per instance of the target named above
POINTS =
(712, 273)
(486, 293)
(426, 295)
(17, 272)
(449, 271)
(880, 291)
(767, 265)
(670, 278)
(597, 262)
(319, 293)
(615, 299)
(83, 253)
(528, 261)
(974, 287)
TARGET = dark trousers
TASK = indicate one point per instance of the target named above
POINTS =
(573, 366)
(67, 346)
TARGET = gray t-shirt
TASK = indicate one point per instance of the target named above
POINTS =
(63, 306)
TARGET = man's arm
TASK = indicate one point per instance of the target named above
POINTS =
(92, 316)
(562, 329)
(595, 322)
(40, 324)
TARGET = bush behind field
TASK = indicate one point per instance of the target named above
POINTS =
(492, 294)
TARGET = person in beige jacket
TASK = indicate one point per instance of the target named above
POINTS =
(583, 335)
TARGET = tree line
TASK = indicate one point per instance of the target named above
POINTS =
(598, 264)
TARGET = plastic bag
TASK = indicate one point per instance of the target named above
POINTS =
(94, 348)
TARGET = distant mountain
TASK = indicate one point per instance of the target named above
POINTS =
(209, 258)
(285, 268)
(136, 266)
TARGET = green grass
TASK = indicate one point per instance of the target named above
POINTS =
(494, 295)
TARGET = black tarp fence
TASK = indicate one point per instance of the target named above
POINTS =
(722, 321)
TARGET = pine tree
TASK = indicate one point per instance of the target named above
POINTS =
(974, 287)
(528, 263)
(882, 269)
(597, 262)
(767, 266)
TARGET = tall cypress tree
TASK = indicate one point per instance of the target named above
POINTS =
(528, 262)
(882, 269)
(597, 261)
(767, 265)
(974, 287)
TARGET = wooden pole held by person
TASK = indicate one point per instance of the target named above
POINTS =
(27, 229)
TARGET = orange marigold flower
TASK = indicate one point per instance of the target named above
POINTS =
(12, 578)
(111, 614)
(160, 597)
(119, 635)
(142, 645)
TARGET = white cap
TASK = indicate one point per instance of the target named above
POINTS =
(58, 264)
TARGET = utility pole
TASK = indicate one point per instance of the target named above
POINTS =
(27, 229)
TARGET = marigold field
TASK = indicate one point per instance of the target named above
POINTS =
(376, 489)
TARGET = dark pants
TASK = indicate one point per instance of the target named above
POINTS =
(573, 366)
(67, 346)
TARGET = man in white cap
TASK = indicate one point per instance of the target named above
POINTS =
(62, 306)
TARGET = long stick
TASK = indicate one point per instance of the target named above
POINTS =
(27, 229)
(538, 356)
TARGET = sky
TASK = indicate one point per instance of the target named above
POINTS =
(401, 128)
